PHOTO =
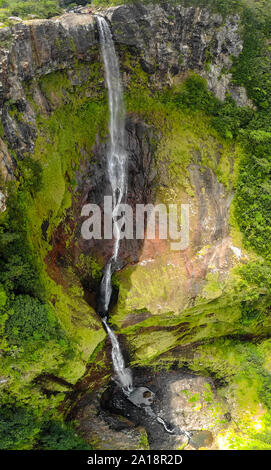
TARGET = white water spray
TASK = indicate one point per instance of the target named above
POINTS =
(117, 156)
(117, 174)
(124, 375)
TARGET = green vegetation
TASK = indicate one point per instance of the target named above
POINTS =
(243, 306)
(245, 375)
(45, 328)
(21, 429)
(29, 319)
(27, 9)
(143, 443)
(62, 139)
(250, 127)
(191, 120)
(48, 328)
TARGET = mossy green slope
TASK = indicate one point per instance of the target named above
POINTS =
(44, 192)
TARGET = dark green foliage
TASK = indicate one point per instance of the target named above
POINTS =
(56, 435)
(29, 319)
(259, 306)
(19, 268)
(250, 312)
(24, 428)
(253, 198)
(30, 173)
(229, 119)
(195, 96)
(19, 272)
(252, 68)
(18, 428)
(66, 3)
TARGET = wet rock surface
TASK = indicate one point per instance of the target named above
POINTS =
(93, 185)
(186, 403)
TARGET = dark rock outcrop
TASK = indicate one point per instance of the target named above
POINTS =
(172, 39)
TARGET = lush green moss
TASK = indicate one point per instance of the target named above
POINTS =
(247, 385)
(59, 147)
(180, 114)
(143, 443)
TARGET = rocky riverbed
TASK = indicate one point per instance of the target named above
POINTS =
(185, 401)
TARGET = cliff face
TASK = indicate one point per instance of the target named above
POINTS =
(32, 50)
(170, 41)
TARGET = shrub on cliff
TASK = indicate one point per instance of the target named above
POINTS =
(30, 319)
(28, 8)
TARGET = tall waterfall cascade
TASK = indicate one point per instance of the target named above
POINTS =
(117, 175)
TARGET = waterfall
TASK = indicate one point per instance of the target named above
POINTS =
(124, 375)
(117, 174)
(116, 157)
